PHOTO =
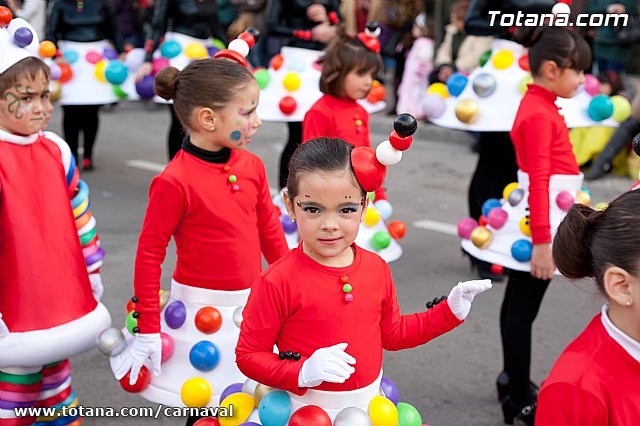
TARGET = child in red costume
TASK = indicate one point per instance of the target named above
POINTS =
(49, 278)
(329, 305)
(213, 199)
(595, 380)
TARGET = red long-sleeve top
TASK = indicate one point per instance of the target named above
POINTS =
(594, 382)
(219, 233)
(541, 140)
(341, 118)
(298, 304)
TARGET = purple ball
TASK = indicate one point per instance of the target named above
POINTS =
(233, 388)
(144, 87)
(110, 53)
(288, 225)
(55, 71)
(175, 314)
(23, 37)
(212, 50)
(433, 106)
(390, 390)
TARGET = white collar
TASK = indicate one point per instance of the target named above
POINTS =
(19, 140)
(628, 344)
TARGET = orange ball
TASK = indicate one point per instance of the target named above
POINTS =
(377, 93)
(208, 320)
(276, 62)
(5, 16)
(130, 306)
(47, 49)
(66, 73)
(397, 229)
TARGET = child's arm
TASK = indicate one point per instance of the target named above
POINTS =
(272, 240)
(565, 404)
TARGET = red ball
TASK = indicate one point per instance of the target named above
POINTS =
(130, 306)
(483, 221)
(208, 320)
(276, 62)
(523, 61)
(288, 105)
(310, 415)
(368, 170)
(144, 378)
(497, 269)
(400, 143)
(5, 16)
(397, 229)
(207, 421)
(248, 37)
(376, 94)
(66, 73)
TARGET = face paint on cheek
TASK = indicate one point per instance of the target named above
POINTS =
(235, 135)
(239, 122)
(14, 106)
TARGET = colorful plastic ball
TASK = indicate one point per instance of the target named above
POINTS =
(287, 105)
(204, 356)
(259, 393)
(175, 314)
(390, 390)
(587, 190)
(521, 250)
(601, 206)
(481, 237)
(93, 57)
(352, 416)
(276, 62)
(456, 83)
(377, 93)
(242, 404)
(55, 91)
(164, 296)
(111, 341)
(621, 108)
(583, 197)
(295, 65)
(591, 84)
(232, 388)
(275, 408)
(117, 90)
(466, 226)
(310, 415)
(262, 78)
(237, 316)
(144, 87)
(397, 229)
(55, 71)
(600, 108)
(288, 225)
(116, 72)
(5, 16)
(47, 49)
(131, 323)
(507, 190)
(489, 205)
(249, 386)
(250, 37)
(503, 59)
(380, 240)
(207, 421)
(467, 111)
(408, 415)
(385, 208)
(157, 64)
(387, 154)
(523, 62)
(383, 412)
(110, 53)
(433, 106)
(218, 43)
(405, 125)
(438, 89)
(484, 58)
(208, 320)
(212, 50)
(496, 269)
(515, 197)
(564, 200)
(71, 56)
(167, 347)
(482, 220)
(144, 378)
(195, 392)
(240, 46)
(291, 82)
(249, 424)
(99, 71)
(523, 86)
(497, 218)
(484, 85)
(134, 59)
(195, 51)
(525, 226)
(22, 37)
(170, 49)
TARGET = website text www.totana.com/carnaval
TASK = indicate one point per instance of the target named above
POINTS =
(521, 19)
(150, 412)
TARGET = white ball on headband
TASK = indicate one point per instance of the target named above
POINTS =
(240, 46)
(561, 8)
(387, 154)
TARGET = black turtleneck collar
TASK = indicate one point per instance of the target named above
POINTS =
(218, 157)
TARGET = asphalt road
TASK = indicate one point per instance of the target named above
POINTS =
(451, 380)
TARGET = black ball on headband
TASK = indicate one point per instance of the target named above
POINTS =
(254, 32)
(405, 125)
(636, 144)
(372, 26)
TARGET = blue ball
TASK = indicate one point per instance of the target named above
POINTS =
(275, 408)
(600, 108)
(521, 250)
(456, 84)
(170, 49)
(204, 356)
(116, 72)
(489, 205)
(144, 87)
(71, 56)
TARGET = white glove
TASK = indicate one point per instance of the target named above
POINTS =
(133, 357)
(4, 330)
(326, 365)
(96, 286)
(462, 295)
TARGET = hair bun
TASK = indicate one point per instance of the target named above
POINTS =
(528, 36)
(572, 243)
(166, 83)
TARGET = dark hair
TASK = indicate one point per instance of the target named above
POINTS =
(320, 155)
(558, 44)
(27, 67)
(459, 8)
(589, 241)
(342, 56)
(208, 83)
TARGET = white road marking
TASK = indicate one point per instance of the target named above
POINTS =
(432, 225)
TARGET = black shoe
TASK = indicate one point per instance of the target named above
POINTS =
(502, 383)
(513, 412)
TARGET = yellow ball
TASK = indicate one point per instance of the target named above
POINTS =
(601, 206)
(55, 91)
(503, 59)
(243, 405)
(195, 51)
(522, 86)
(291, 82)
(621, 108)
(164, 298)
(467, 111)
(383, 412)
(481, 237)
(507, 190)
(195, 392)
(371, 216)
(438, 89)
(525, 226)
(260, 392)
(99, 71)
(583, 197)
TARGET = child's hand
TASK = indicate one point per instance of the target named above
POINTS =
(4, 330)
(144, 70)
(462, 295)
(542, 265)
(133, 357)
(326, 365)
(96, 286)
(323, 32)
(317, 13)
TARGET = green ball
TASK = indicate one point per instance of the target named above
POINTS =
(485, 57)
(219, 44)
(347, 288)
(117, 90)
(262, 77)
(522, 86)
(408, 415)
(131, 323)
(372, 196)
(380, 240)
